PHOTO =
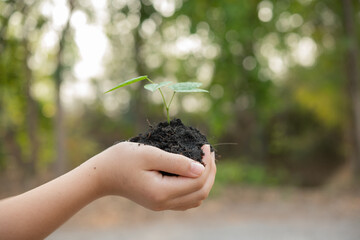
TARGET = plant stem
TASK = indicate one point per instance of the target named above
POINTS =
(167, 114)
(168, 107)
(171, 99)
(164, 101)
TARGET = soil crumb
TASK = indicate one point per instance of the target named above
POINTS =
(175, 138)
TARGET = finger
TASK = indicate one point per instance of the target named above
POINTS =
(207, 151)
(187, 207)
(196, 198)
(181, 186)
(159, 160)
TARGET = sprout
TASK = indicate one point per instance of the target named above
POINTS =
(183, 87)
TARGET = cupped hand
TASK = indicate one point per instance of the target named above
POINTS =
(133, 171)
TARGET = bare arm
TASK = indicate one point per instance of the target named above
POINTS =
(127, 170)
(38, 212)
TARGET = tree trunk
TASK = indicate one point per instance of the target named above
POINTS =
(60, 160)
(13, 146)
(31, 116)
(138, 101)
(352, 73)
(60, 135)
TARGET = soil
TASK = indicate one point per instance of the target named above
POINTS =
(175, 138)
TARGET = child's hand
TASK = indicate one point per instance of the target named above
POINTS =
(133, 171)
(126, 169)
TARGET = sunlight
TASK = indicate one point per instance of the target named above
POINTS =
(277, 64)
(195, 104)
(305, 52)
(217, 91)
(265, 13)
(167, 7)
(73, 91)
(115, 103)
(288, 21)
(92, 45)
(205, 73)
(49, 40)
(249, 63)
(58, 11)
(148, 27)
(185, 45)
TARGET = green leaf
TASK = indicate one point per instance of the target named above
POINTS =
(192, 90)
(154, 86)
(187, 87)
(128, 82)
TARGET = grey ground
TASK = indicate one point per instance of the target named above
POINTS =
(234, 213)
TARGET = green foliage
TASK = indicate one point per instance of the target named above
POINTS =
(187, 87)
(284, 112)
(128, 82)
(184, 87)
(233, 171)
(155, 86)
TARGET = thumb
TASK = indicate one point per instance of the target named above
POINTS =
(160, 160)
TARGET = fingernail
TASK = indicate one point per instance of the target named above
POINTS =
(197, 168)
(205, 146)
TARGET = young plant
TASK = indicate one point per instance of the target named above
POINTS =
(183, 87)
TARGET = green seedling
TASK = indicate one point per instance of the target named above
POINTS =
(183, 87)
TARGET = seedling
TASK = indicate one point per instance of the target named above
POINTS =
(183, 87)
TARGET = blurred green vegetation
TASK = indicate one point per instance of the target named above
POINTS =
(282, 75)
(234, 172)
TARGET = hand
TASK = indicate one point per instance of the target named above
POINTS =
(133, 171)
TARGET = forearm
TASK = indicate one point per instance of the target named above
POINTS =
(37, 213)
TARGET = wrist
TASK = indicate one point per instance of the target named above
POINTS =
(91, 170)
(106, 179)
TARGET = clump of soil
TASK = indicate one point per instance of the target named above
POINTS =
(175, 138)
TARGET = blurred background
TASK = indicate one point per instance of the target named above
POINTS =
(283, 110)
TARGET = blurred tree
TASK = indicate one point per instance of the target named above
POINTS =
(31, 108)
(278, 58)
(64, 65)
(16, 46)
(352, 66)
(60, 135)
(274, 69)
(125, 18)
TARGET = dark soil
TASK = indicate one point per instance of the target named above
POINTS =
(175, 138)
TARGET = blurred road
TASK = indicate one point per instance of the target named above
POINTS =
(216, 229)
(235, 213)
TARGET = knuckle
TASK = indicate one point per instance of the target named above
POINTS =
(160, 198)
(188, 166)
(198, 203)
(214, 167)
(155, 197)
(204, 194)
(204, 180)
(143, 154)
(195, 205)
(158, 202)
(213, 172)
(199, 185)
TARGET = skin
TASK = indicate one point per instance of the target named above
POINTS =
(125, 169)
